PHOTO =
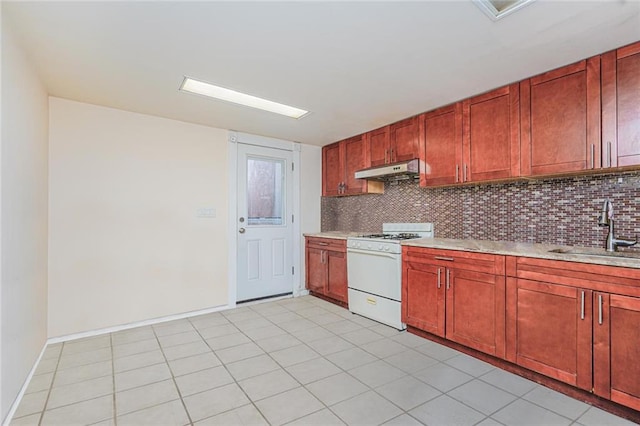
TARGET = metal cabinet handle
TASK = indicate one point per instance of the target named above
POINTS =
(457, 168)
(447, 279)
(582, 306)
(323, 244)
(464, 173)
(386, 154)
(609, 153)
(438, 277)
(391, 157)
(593, 155)
(449, 259)
(600, 309)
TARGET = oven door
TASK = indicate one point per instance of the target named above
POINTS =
(374, 272)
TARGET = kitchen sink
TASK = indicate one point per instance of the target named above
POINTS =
(597, 252)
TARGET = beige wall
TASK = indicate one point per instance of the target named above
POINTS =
(23, 227)
(125, 243)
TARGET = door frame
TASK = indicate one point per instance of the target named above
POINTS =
(245, 138)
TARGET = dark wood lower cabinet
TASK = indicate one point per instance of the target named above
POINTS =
(326, 268)
(574, 323)
(316, 275)
(476, 311)
(445, 296)
(423, 301)
(336, 286)
(553, 328)
(616, 362)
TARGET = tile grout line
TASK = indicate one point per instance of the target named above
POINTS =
(274, 360)
(321, 356)
(55, 372)
(224, 365)
(173, 379)
(113, 381)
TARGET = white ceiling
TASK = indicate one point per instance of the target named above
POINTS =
(355, 65)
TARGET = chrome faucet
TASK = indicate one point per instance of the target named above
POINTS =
(606, 219)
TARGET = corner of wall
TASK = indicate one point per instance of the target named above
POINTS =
(23, 211)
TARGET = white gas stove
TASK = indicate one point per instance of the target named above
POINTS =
(374, 268)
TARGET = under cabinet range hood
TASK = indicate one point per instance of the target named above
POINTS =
(398, 171)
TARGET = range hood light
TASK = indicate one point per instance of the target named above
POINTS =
(217, 92)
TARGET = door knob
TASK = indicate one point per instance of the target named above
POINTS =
(241, 230)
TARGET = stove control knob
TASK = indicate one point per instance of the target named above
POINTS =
(369, 246)
(380, 247)
(386, 248)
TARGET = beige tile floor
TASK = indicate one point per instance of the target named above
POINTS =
(296, 361)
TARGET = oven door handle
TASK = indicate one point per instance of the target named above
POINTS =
(374, 253)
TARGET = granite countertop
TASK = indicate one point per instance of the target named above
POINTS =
(542, 251)
(338, 235)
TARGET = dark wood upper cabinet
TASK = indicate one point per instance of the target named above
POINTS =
(621, 107)
(355, 158)
(560, 120)
(403, 140)
(394, 143)
(491, 135)
(378, 142)
(580, 118)
(332, 169)
(340, 161)
(475, 140)
(441, 147)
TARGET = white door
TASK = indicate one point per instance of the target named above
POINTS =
(264, 216)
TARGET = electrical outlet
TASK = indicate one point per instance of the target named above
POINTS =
(207, 212)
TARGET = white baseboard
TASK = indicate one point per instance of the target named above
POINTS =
(16, 402)
(152, 321)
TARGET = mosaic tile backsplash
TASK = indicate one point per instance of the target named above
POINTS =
(552, 211)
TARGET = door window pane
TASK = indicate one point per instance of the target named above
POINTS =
(265, 186)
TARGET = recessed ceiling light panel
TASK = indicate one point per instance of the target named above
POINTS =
(497, 9)
(217, 92)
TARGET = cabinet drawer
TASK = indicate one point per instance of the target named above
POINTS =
(611, 279)
(327, 244)
(479, 262)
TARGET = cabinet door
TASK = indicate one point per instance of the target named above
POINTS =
(621, 107)
(476, 310)
(442, 147)
(354, 160)
(560, 119)
(316, 270)
(423, 299)
(553, 331)
(403, 137)
(491, 135)
(332, 169)
(337, 275)
(616, 327)
(378, 141)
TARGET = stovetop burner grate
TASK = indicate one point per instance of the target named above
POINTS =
(400, 236)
